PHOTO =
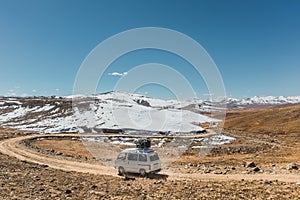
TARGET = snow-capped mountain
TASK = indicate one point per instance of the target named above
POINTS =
(267, 100)
(113, 110)
(118, 111)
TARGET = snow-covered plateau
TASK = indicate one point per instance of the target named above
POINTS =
(95, 113)
(130, 113)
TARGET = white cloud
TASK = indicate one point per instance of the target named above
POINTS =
(118, 74)
(34, 90)
(11, 93)
(56, 89)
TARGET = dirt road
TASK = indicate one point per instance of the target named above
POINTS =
(12, 147)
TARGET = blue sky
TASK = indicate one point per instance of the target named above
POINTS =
(255, 44)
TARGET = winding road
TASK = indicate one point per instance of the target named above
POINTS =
(12, 147)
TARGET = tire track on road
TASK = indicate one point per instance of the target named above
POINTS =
(12, 147)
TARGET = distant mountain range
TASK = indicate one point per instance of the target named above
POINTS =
(118, 111)
(268, 100)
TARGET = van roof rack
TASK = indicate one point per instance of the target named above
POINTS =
(143, 143)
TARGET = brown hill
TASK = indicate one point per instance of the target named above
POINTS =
(275, 120)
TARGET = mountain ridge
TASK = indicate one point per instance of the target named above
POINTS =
(119, 111)
(94, 113)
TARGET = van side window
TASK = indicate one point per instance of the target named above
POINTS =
(143, 157)
(132, 156)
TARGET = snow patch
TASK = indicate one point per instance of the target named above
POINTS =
(219, 139)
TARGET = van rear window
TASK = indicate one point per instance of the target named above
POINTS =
(154, 157)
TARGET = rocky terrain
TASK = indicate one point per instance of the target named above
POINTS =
(261, 163)
(24, 180)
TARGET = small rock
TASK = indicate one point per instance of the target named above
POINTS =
(268, 182)
(256, 169)
(218, 172)
(94, 187)
(251, 165)
(292, 166)
(68, 191)
(143, 197)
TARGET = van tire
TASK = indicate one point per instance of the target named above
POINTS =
(143, 172)
(121, 171)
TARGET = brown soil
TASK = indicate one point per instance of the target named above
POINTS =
(63, 147)
(67, 171)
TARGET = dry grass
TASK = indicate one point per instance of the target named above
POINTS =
(276, 120)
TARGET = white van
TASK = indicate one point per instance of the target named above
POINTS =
(138, 160)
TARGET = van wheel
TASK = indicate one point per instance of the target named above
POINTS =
(121, 171)
(143, 172)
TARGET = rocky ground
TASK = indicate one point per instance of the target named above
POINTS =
(253, 152)
(22, 180)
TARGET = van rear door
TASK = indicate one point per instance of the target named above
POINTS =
(155, 161)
